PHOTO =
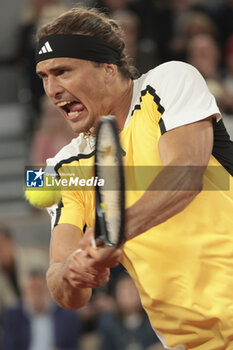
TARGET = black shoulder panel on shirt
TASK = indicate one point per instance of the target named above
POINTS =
(156, 98)
(223, 146)
(152, 92)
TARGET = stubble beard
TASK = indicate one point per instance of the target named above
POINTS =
(88, 127)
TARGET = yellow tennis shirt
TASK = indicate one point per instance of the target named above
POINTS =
(182, 268)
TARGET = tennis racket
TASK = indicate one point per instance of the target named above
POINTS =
(110, 202)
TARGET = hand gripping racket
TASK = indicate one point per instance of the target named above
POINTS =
(110, 201)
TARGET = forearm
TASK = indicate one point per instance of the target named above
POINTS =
(158, 204)
(62, 291)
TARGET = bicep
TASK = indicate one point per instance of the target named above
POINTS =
(64, 240)
(189, 145)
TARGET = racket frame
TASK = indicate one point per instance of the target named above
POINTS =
(101, 231)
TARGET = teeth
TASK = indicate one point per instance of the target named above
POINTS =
(63, 103)
(72, 114)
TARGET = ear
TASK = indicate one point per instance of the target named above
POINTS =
(110, 71)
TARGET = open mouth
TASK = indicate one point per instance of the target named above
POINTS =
(72, 109)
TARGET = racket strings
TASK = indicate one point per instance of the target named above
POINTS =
(110, 205)
(108, 169)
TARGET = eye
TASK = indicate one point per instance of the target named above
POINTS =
(61, 72)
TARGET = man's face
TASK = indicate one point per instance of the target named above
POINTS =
(77, 88)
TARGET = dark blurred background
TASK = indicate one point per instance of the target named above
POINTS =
(31, 130)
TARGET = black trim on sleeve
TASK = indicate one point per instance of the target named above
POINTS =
(58, 213)
(71, 159)
(223, 146)
(162, 126)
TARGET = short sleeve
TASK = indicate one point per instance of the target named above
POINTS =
(184, 95)
(70, 210)
(66, 164)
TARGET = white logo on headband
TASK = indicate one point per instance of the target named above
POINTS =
(45, 48)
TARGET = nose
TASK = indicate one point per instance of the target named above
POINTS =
(52, 87)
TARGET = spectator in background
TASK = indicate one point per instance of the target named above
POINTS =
(204, 54)
(228, 79)
(188, 24)
(35, 13)
(9, 291)
(155, 24)
(15, 262)
(144, 60)
(156, 27)
(36, 323)
(123, 324)
(51, 134)
(224, 21)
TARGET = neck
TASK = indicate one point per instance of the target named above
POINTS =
(121, 98)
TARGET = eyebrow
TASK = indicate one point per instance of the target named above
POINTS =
(52, 70)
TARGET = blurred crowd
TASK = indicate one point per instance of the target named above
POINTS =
(199, 32)
(30, 320)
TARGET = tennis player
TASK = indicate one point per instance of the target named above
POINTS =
(179, 247)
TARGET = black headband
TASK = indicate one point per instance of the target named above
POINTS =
(76, 46)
